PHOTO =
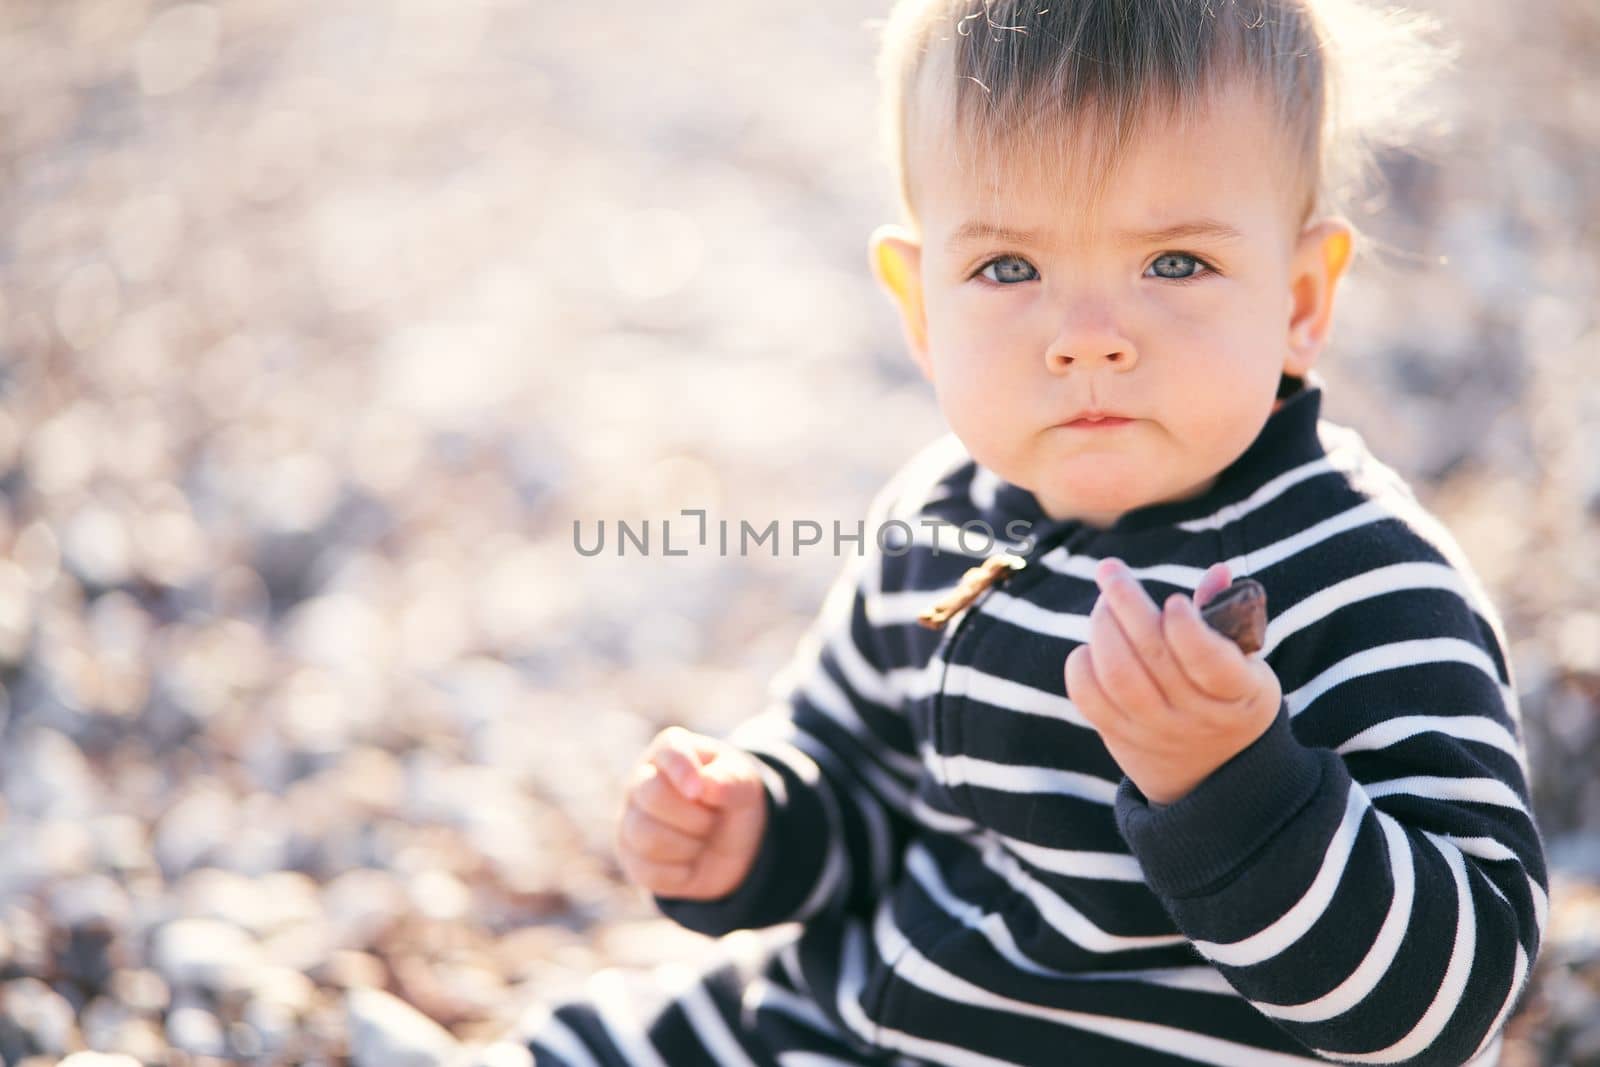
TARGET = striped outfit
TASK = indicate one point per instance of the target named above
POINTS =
(956, 871)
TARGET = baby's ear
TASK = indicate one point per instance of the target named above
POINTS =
(1320, 259)
(895, 255)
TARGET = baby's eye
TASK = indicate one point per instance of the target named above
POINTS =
(1005, 280)
(1179, 258)
(1163, 263)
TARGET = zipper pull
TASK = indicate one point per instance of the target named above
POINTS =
(972, 584)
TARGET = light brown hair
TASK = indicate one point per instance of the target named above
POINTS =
(1339, 75)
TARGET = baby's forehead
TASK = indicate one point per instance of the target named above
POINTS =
(1223, 163)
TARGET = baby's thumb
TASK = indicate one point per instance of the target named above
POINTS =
(680, 756)
(725, 779)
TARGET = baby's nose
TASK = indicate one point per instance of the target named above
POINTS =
(1060, 359)
(1087, 335)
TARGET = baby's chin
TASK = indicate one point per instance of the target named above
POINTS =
(1104, 492)
(1106, 496)
(1094, 498)
(1096, 510)
(1096, 481)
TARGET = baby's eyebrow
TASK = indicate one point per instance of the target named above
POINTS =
(1214, 229)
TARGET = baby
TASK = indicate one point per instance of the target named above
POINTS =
(1071, 824)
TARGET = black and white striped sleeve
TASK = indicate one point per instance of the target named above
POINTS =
(840, 764)
(1368, 872)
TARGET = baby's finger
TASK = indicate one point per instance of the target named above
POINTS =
(1117, 666)
(1140, 622)
(730, 779)
(675, 754)
(1085, 692)
(661, 800)
(1216, 578)
(652, 839)
(1212, 662)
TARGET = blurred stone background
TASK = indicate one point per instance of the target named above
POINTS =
(320, 323)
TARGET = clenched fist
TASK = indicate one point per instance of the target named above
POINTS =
(695, 810)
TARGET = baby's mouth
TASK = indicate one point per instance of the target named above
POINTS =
(1105, 423)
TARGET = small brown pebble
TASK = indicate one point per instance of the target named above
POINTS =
(1239, 613)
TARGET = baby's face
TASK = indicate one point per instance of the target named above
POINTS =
(1183, 333)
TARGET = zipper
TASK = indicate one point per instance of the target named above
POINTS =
(978, 581)
(979, 584)
(973, 587)
(976, 585)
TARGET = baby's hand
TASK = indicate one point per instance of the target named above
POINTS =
(695, 812)
(1171, 698)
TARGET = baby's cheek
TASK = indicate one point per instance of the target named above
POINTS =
(983, 413)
